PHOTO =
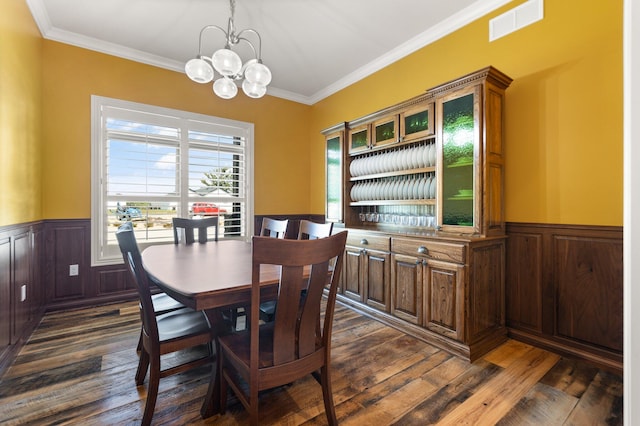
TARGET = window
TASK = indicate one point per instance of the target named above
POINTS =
(150, 164)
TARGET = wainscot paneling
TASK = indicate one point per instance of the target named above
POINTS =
(68, 242)
(563, 283)
(564, 289)
(21, 287)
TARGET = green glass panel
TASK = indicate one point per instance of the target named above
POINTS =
(457, 151)
(334, 179)
(359, 139)
(416, 122)
(385, 131)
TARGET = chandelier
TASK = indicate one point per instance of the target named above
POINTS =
(255, 76)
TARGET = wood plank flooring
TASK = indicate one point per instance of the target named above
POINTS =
(79, 367)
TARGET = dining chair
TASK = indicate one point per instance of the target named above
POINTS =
(309, 230)
(183, 229)
(161, 334)
(162, 302)
(274, 228)
(292, 346)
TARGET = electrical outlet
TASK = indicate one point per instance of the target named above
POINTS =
(23, 293)
(73, 270)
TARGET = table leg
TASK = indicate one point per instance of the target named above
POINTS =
(211, 403)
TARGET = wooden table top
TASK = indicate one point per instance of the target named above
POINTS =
(206, 276)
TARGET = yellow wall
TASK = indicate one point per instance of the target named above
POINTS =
(563, 126)
(563, 116)
(71, 75)
(20, 106)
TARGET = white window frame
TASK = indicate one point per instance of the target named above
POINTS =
(105, 254)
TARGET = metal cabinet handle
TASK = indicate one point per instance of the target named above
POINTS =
(364, 241)
(423, 250)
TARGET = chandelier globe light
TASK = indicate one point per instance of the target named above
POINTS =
(255, 76)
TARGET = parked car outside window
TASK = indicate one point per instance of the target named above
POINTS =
(128, 213)
(206, 209)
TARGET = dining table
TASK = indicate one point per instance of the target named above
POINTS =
(209, 277)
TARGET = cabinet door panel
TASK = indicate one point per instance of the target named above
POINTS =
(445, 304)
(459, 177)
(359, 139)
(333, 166)
(5, 293)
(377, 275)
(385, 131)
(406, 288)
(21, 285)
(417, 122)
(353, 273)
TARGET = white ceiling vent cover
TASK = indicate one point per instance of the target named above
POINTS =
(519, 17)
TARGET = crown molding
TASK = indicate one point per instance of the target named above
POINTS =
(455, 22)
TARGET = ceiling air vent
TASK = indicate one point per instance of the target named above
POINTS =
(519, 17)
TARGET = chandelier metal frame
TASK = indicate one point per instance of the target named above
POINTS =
(255, 76)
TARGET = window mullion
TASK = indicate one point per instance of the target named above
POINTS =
(184, 169)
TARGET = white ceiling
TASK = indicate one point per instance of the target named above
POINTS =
(313, 47)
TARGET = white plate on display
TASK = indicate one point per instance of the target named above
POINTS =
(387, 190)
(432, 155)
(422, 156)
(425, 155)
(420, 192)
(408, 163)
(410, 186)
(398, 190)
(413, 158)
(379, 163)
(432, 189)
(427, 187)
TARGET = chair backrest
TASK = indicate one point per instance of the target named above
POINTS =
(296, 333)
(274, 228)
(312, 230)
(131, 255)
(183, 227)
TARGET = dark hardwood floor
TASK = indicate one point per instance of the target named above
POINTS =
(79, 367)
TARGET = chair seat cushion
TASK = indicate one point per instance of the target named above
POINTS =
(181, 323)
(163, 303)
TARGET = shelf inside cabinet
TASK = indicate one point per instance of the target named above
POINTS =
(394, 203)
(395, 173)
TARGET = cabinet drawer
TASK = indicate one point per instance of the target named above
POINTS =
(448, 252)
(367, 241)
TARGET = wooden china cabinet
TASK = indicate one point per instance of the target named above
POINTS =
(419, 186)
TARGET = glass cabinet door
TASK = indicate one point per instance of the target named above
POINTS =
(359, 139)
(417, 122)
(334, 178)
(460, 134)
(385, 131)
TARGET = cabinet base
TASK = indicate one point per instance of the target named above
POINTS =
(601, 358)
(469, 352)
